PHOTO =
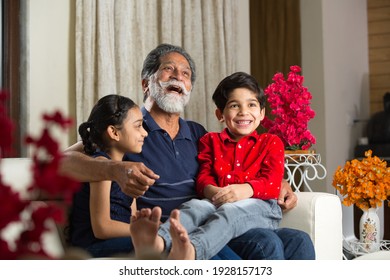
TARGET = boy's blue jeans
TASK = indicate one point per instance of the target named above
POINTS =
(259, 243)
(210, 228)
(256, 244)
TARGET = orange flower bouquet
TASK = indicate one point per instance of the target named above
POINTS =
(365, 183)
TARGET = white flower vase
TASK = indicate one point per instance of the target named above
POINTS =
(369, 228)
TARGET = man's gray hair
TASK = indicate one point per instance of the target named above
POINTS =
(152, 61)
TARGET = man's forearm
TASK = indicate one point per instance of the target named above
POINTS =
(134, 178)
(84, 168)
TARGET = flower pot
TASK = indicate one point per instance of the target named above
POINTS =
(299, 151)
(369, 229)
(302, 167)
(295, 155)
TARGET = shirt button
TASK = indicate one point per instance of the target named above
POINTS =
(229, 176)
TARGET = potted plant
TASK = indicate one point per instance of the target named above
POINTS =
(366, 184)
(289, 101)
(46, 179)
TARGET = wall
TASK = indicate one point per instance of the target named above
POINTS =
(378, 15)
(335, 65)
(50, 80)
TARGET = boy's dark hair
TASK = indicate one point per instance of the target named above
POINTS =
(234, 81)
(109, 110)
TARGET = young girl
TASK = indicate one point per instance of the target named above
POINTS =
(100, 215)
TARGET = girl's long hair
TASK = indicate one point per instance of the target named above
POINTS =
(109, 110)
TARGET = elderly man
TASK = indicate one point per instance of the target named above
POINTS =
(170, 150)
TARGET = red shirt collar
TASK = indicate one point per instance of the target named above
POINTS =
(226, 136)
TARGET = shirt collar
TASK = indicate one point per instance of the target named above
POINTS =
(225, 135)
(150, 123)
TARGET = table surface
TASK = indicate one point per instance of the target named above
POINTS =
(357, 248)
(380, 255)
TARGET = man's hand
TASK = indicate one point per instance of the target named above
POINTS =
(134, 178)
(287, 198)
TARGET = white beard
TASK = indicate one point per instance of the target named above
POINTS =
(169, 102)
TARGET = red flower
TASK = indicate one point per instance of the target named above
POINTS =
(46, 178)
(45, 173)
(11, 205)
(5, 252)
(58, 118)
(30, 240)
(6, 126)
(45, 142)
(290, 104)
(46, 170)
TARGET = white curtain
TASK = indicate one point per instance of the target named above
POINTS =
(113, 38)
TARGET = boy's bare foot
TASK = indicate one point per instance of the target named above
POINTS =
(143, 229)
(182, 248)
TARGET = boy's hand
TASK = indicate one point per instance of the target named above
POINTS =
(232, 193)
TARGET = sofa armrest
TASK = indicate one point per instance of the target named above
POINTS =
(318, 214)
(16, 172)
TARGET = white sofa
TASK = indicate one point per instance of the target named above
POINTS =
(318, 214)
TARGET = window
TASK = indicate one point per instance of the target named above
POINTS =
(10, 66)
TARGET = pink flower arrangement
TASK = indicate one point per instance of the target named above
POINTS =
(46, 181)
(290, 104)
